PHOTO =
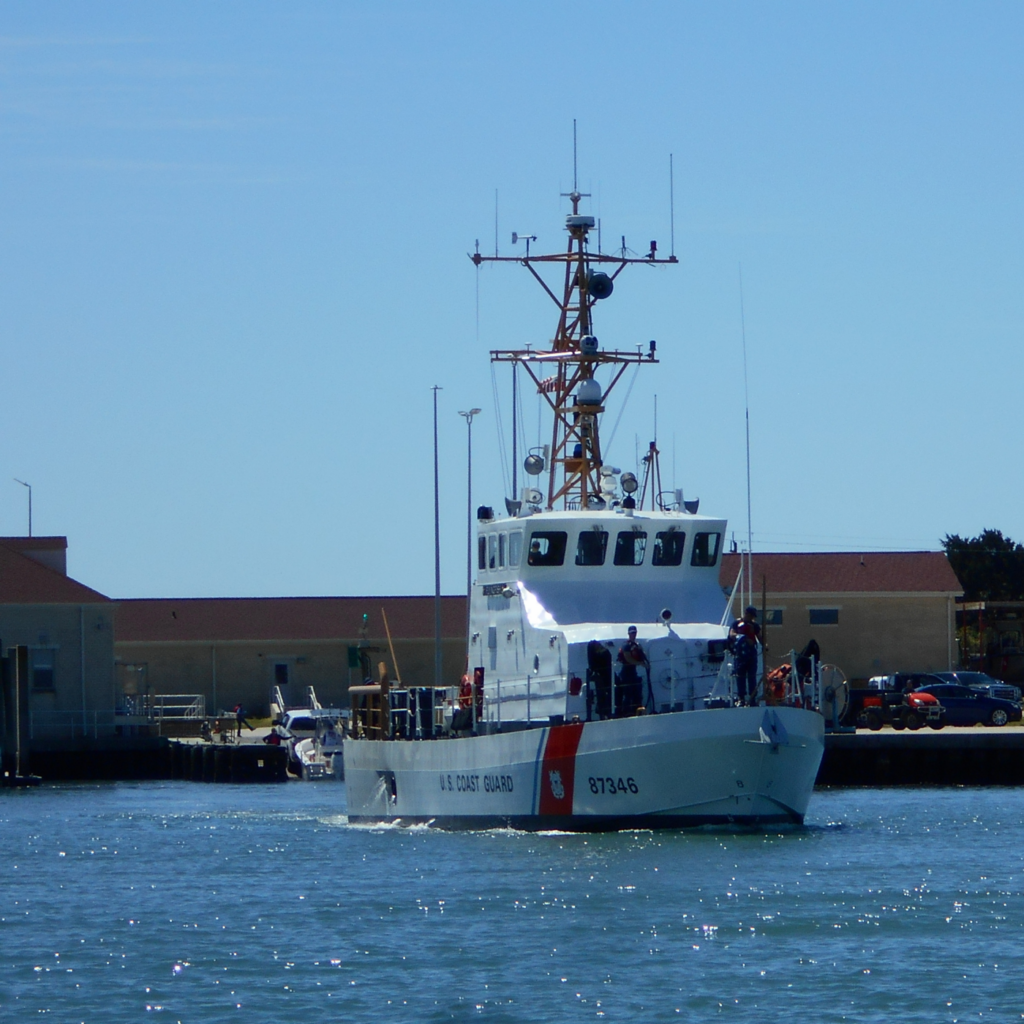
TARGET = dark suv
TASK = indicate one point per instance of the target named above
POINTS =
(981, 681)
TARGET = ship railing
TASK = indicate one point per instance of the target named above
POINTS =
(534, 692)
(724, 688)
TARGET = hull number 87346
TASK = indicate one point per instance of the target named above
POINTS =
(610, 786)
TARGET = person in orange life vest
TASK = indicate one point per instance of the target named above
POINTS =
(745, 635)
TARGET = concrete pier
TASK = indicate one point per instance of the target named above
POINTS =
(950, 757)
(154, 757)
(228, 762)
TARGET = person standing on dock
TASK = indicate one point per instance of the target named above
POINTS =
(745, 637)
(240, 721)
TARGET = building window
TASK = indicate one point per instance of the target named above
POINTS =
(630, 546)
(824, 616)
(547, 547)
(773, 617)
(705, 548)
(515, 547)
(42, 668)
(591, 547)
(668, 548)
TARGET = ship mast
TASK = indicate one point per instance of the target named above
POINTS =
(564, 372)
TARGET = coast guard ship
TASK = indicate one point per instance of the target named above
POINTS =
(565, 720)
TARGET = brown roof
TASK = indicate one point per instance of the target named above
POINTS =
(210, 619)
(35, 543)
(23, 580)
(848, 572)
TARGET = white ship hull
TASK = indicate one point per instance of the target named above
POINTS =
(747, 766)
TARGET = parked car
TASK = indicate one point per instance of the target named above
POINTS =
(965, 705)
(982, 681)
(904, 681)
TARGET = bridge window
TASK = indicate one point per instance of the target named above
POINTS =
(515, 547)
(492, 551)
(591, 547)
(705, 548)
(547, 547)
(630, 547)
(501, 550)
(481, 547)
(668, 548)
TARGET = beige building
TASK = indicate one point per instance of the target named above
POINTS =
(871, 613)
(68, 630)
(235, 650)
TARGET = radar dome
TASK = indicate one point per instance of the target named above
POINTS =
(600, 285)
(589, 392)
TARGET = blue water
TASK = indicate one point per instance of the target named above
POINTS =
(193, 903)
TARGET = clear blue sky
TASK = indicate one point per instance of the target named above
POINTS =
(233, 245)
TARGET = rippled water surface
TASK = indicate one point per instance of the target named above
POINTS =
(185, 902)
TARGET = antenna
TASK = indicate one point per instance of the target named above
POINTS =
(495, 223)
(566, 372)
(671, 208)
(746, 414)
(517, 238)
(574, 181)
(515, 433)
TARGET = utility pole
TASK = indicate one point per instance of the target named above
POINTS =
(469, 507)
(437, 556)
(29, 486)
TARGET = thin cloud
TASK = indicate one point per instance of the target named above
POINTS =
(27, 42)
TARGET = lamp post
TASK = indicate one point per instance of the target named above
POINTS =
(29, 486)
(437, 556)
(469, 505)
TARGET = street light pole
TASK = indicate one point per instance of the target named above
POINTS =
(469, 507)
(29, 486)
(437, 557)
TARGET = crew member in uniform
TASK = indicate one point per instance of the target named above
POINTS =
(630, 696)
(745, 635)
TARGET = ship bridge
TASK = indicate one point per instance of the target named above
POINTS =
(604, 566)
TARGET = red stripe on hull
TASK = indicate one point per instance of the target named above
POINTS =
(558, 769)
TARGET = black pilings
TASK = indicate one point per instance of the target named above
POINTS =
(951, 757)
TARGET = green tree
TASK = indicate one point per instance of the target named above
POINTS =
(990, 567)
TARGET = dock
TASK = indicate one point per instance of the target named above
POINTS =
(976, 756)
(968, 756)
(152, 758)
